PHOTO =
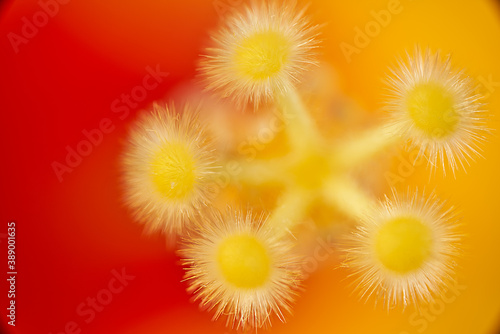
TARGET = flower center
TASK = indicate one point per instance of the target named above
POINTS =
(432, 108)
(173, 171)
(403, 244)
(244, 261)
(262, 55)
(311, 171)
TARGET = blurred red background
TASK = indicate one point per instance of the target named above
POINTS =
(73, 231)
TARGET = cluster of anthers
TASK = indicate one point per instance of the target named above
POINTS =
(241, 264)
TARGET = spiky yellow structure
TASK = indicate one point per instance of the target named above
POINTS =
(237, 266)
(437, 109)
(259, 52)
(168, 166)
(405, 251)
